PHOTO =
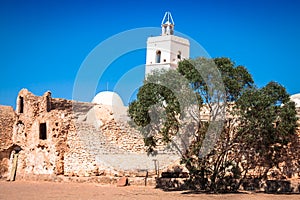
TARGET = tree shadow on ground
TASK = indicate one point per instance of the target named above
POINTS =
(277, 187)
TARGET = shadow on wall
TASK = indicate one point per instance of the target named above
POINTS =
(6, 161)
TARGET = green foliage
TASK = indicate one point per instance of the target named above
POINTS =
(268, 113)
(158, 106)
(235, 78)
(258, 129)
(267, 124)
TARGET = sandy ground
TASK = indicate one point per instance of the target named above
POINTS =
(50, 190)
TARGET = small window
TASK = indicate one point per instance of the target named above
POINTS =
(158, 55)
(43, 131)
(179, 55)
(21, 104)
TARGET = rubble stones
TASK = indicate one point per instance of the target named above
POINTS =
(122, 182)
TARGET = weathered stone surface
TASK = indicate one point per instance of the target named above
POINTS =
(122, 182)
(7, 120)
(63, 137)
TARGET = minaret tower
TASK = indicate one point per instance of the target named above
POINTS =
(164, 51)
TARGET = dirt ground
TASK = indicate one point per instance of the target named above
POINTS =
(50, 190)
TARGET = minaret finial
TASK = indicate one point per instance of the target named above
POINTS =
(167, 24)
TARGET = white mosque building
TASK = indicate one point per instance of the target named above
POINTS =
(163, 52)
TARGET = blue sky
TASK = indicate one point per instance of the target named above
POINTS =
(44, 43)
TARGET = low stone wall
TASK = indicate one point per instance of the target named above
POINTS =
(105, 180)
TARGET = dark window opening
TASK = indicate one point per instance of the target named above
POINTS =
(179, 55)
(158, 55)
(21, 104)
(48, 104)
(43, 131)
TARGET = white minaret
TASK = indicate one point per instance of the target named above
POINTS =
(164, 52)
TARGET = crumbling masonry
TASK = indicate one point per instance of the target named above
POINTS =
(63, 137)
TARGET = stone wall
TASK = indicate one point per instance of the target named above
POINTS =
(41, 131)
(63, 137)
(7, 119)
(103, 144)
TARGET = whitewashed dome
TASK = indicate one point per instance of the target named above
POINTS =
(296, 99)
(108, 98)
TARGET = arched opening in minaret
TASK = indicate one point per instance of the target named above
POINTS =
(158, 55)
(179, 55)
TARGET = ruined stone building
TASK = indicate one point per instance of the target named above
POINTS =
(63, 137)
